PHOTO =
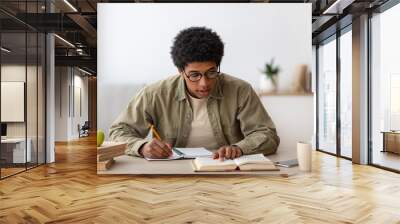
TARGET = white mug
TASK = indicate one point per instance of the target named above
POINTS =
(304, 153)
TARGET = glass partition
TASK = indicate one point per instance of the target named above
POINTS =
(14, 153)
(327, 96)
(22, 63)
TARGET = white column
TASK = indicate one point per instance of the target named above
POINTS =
(360, 90)
(50, 100)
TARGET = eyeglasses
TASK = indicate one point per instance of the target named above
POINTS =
(196, 76)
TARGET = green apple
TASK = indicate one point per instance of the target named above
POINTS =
(100, 137)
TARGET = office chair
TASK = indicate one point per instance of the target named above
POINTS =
(84, 130)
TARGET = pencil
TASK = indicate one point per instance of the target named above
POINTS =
(157, 136)
(155, 133)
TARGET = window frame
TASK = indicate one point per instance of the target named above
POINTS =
(334, 37)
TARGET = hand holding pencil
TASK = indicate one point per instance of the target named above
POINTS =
(156, 148)
(155, 133)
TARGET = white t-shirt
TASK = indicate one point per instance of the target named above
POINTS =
(201, 133)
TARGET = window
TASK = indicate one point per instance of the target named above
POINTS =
(346, 94)
(327, 96)
(385, 89)
(334, 106)
(394, 102)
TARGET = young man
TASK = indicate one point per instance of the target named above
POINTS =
(200, 107)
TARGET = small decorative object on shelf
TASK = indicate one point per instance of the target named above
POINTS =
(302, 79)
(269, 81)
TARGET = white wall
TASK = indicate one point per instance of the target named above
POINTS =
(17, 73)
(81, 108)
(293, 117)
(12, 101)
(134, 42)
(67, 115)
(111, 100)
(61, 103)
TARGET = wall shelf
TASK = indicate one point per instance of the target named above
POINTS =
(284, 94)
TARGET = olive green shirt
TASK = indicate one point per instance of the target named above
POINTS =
(236, 114)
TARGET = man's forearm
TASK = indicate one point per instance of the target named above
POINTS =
(259, 143)
(134, 143)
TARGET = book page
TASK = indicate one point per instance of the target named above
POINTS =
(251, 159)
(210, 164)
(172, 157)
(194, 152)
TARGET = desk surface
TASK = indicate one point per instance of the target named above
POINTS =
(391, 132)
(139, 166)
(13, 140)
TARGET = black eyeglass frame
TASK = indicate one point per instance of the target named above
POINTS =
(201, 75)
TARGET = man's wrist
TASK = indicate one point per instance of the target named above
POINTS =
(241, 151)
(140, 150)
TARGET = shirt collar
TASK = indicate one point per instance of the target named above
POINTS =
(216, 92)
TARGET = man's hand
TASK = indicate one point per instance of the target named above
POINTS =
(228, 152)
(156, 149)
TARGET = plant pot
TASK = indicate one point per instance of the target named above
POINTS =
(266, 84)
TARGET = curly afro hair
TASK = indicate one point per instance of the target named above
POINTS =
(196, 44)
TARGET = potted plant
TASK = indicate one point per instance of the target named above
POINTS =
(269, 81)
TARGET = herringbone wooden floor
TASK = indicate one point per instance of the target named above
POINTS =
(69, 191)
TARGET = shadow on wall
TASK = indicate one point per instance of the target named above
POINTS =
(117, 97)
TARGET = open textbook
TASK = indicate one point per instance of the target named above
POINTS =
(186, 153)
(246, 162)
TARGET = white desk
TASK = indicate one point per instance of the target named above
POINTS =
(18, 149)
(139, 166)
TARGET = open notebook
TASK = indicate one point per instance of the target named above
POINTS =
(186, 153)
(246, 162)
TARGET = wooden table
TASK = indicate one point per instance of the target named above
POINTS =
(139, 166)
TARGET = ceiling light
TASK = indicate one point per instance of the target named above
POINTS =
(5, 50)
(70, 5)
(64, 40)
(84, 71)
(338, 6)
